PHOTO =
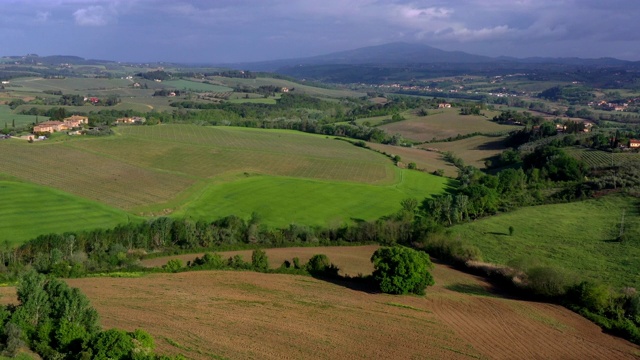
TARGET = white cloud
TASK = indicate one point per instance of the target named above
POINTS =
(92, 16)
(42, 16)
(465, 34)
(425, 13)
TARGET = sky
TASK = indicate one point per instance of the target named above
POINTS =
(224, 31)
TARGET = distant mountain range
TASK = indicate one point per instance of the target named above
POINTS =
(397, 53)
(400, 53)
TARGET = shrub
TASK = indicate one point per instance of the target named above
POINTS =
(546, 281)
(401, 270)
(259, 260)
(173, 265)
(462, 252)
(320, 265)
(591, 296)
(444, 247)
(237, 262)
(209, 261)
(15, 339)
(412, 166)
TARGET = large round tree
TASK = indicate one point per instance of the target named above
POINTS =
(401, 270)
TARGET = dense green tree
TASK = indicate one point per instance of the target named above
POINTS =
(482, 200)
(402, 270)
(35, 305)
(112, 344)
(554, 164)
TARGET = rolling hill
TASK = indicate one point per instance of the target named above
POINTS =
(210, 172)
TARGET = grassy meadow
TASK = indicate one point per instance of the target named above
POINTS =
(280, 201)
(70, 85)
(578, 237)
(28, 210)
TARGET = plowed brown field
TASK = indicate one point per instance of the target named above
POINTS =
(242, 315)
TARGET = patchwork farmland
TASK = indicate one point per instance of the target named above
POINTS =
(210, 172)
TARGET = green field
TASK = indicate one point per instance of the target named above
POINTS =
(195, 86)
(207, 172)
(205, 152)
(373, 121)
(70, 85)
(7, 116)
(576, 237)
(28, 210)
(280, 201)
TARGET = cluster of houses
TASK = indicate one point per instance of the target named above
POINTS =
(135, 120)
(69, 123)
(561, 128)
(609, 106)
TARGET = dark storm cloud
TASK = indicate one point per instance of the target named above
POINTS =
(219, 31)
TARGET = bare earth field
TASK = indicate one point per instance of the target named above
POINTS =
(247, 315)
(474, 150)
